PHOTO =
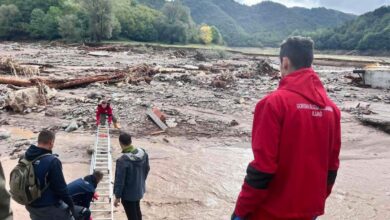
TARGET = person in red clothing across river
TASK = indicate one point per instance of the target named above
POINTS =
(104, 113)
(296, 140)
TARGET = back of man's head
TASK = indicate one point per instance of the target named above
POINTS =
(125, 139)
(98, 175)
(46, 137)
(299, 50)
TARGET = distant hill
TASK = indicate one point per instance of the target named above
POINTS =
(267, 23)
(370, 31)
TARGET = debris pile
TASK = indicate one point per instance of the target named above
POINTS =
(356, 80)
(197, 89)
(263, 67)
(223, 80)
(180, 53)
(63, 83)
(199, 56)
(140, 73)
(376, 115)
(24, 99)
(11, 67)
(360, 109)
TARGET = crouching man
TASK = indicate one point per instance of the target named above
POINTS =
(82, 192)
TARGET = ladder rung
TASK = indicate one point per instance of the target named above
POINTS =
(98, 203)
(102, 210)
(101, 160)
(104, 195)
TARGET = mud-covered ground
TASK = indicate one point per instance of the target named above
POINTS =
(198, 165)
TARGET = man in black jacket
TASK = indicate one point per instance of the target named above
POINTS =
(132, 169)
(55, 202)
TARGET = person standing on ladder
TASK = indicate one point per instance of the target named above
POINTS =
(104, 113)
(132, 169)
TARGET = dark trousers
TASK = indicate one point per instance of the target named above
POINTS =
(82, 213)
(57, 212)
(132, 209)
(104, 118)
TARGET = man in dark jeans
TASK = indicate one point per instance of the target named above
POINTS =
(55, 202)
(82, 192)
(132, 169)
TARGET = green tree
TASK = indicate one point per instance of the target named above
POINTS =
(9, 18)
(172, 33)
(37, 23)
(137, 21)
(99, 13)
(376, 41)
(69, 28)
(116, 28)
(177, 25)
(175, 11)
(27, 6)
(217, 36)
(51, 21)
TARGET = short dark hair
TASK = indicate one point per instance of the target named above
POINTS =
(300, 51)
(46, 136)
(98, 174)
(125, 138)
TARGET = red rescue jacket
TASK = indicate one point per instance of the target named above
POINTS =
(296, 141)
(108, 111)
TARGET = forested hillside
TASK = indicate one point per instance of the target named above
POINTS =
(267, 23)
(96, 20)
(370, 31)
(190, 21)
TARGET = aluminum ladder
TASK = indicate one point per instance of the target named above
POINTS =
(103, 209)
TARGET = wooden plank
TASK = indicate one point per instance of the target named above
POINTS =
(156, 120)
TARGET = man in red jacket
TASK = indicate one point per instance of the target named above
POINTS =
(104, 113)
(296, 141)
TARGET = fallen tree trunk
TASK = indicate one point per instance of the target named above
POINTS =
(15, 81)
(63, 83)
(88, 80)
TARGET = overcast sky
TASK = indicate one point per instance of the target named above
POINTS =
(350, 6)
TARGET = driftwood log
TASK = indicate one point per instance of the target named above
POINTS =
(63, 83)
